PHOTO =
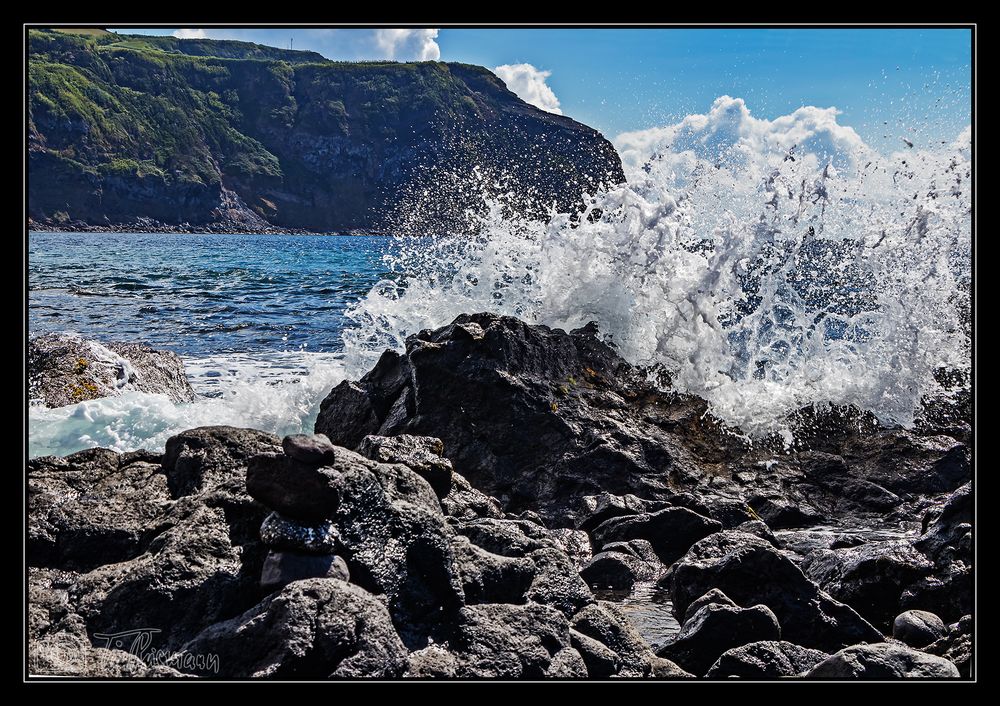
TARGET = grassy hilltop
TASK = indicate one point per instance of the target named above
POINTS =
(200, 131)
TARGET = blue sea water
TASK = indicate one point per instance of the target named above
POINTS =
(201, 295)
(257, 320)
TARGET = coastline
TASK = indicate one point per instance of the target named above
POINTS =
(208, 229)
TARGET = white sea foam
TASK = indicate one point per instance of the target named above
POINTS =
(278, 392)
(766, 264)
(735, 258)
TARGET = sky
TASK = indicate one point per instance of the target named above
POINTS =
(885, 83)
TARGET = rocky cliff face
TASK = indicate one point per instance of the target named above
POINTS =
(129, 128)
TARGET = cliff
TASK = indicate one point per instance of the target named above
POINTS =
(127, 129)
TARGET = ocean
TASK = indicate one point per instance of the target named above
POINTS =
(764, 270)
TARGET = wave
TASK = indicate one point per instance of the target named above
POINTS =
(766, 265)
(276, 392)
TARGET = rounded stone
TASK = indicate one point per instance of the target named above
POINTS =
(917, 628)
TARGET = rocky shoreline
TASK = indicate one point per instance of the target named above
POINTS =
(458, 507)
(147, 225)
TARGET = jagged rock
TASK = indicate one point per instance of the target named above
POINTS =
(311, 449)
(947, 541)
(557, 583)
(567, 664)
(198, 458)
(671, 532)
(950, 527)
(956, 645)
(765, 660)
(500, 641)
(714, 596)
(883, 661)
(715, 628)
(206, 556)
(616, 570)
(601, 661)
(908, 464)
(201, 551)
(661, 668)
(781, 513)
(530, 516)
(312, 629)
(543, 393)
(948, 592)
(422, 454)
(592, 510)
(728, 511)
(64, 369)
(620, 565)
(394, 538)
(576, 543)
(280, 532)
(750, 571)
(760, 529)
(870, 578)
(465, 502)
(346, 415)
(432, 662)
(505, 536)
(492, 578)
(832, 473)
(92, 507)
(282, 568)
(638, 548)
(607, 625)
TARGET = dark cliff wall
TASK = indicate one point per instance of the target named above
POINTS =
(128, 127)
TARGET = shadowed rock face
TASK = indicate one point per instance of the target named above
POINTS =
(535, 415)
(65, 369)
(388, 561)
(542, 418)
(175, 546)
(750, 571)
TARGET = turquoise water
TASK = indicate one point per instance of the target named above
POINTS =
(201, 294)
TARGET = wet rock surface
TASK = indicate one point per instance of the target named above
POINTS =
(65, 369)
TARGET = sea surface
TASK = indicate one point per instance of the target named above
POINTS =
(766, 265)
(257, 319)
(202, 295)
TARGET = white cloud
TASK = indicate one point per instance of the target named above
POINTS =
(188, 33)
(729, 130)
(398, 44)
(408, 44)
(529, 85)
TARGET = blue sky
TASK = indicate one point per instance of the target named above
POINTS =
(885, 81)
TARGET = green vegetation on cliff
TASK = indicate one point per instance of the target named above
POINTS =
(202, 131)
